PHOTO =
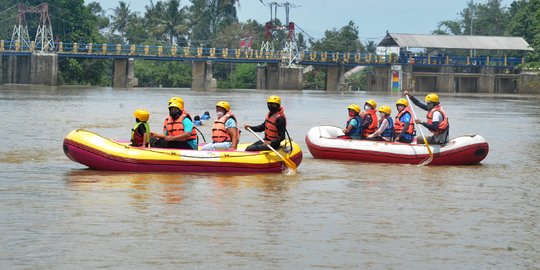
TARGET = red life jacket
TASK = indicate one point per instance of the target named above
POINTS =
(176, 127)
(374, 123)
(443, 125)
(270, 127)
(219, 131)
(398, 125)
(137, 138)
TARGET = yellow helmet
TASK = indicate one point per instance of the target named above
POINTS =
(177, 100)
(432, 98)
(142, 115)
(403, 102)
(178, 105)
(274, 99)
(354, 107)
(372, 103)
(385, 109)
(224, 104)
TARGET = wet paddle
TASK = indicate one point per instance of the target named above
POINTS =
(287, 161)
(430, 158)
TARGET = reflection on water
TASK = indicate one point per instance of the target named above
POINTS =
(55, 213)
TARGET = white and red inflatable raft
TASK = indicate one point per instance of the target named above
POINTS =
(323, 142)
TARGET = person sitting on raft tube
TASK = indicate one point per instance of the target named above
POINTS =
(353, 128)
(437, 121)
(225, 130)
(404, 123)
(385, 132)
(274, 126)
(140, 133)
(369, 118)
(178, 131)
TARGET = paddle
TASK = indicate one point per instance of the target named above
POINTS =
(287, 161)
(430, 158)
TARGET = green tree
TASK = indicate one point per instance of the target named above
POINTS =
(344, 40)
(525, 22)
(209, 17)
(168, 21)
(121, 18)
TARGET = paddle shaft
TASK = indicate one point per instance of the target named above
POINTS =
(287, 161)
(421, 132)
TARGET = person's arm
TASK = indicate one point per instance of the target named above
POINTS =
(259, 128)
(381, 129)
(351, 125)
(418, 103)
(232, 129)
(366, 121)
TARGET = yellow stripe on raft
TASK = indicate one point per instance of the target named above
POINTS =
(102, 144)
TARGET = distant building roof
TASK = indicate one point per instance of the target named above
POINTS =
(455, 42)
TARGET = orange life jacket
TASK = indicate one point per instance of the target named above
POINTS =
(176, 127)
(270, 127)
(398, 125)
(374, 124)
(443, 125)
(219, 131)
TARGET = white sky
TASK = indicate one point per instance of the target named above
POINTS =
(373, 18)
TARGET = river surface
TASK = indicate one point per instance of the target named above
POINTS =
(55, 214)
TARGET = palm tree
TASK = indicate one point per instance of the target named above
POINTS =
(167, 20)
(371, 47)
(121, 18)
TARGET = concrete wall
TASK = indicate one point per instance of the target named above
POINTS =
(379, 80)
(44, 69)
(124, 73)
(335, 78)
(202, 76)
(275, 77)
(529, 83)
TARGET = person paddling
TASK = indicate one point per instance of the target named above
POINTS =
(353, 128)
(140, 133)
(437, 121)
(225, 131)
(274, 126)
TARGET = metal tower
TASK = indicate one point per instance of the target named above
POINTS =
(20, 30)
(44, 34)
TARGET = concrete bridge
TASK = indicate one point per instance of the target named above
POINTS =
(31, 65)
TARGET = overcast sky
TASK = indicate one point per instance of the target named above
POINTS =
(373, 18)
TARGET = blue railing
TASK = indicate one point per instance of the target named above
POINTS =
(99, 50)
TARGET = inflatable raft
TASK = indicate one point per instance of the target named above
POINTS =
(100, 153)
(323, 143)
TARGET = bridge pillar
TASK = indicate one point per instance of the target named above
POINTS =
(335, 78)
(379, 79)
(276, 77)
(124, 73)
(37, 68)
(44, 69)
(202, 76)
(446, 80)
(486, 82)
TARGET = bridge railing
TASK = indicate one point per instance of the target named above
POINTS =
(226, 54)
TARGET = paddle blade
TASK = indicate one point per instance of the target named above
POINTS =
(291, 167)
(430, 158)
